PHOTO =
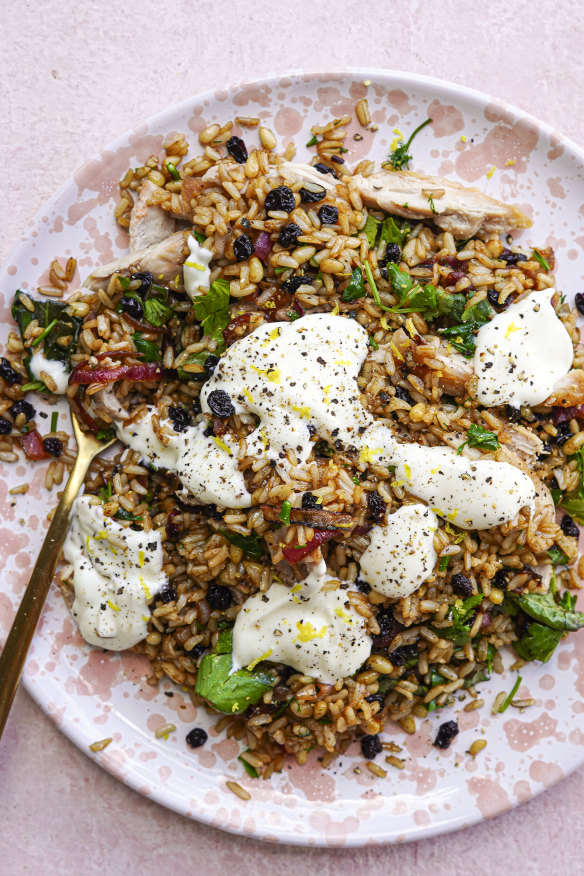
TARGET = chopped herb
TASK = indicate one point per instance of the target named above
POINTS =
(507, 701)
(355, 288)
(124, 282)
(105, 493)
(479, 437)
(475, 678)
(431, 202)
(122, 514)
(370, 229)
(251, 545)
(60, 329)
(557, 556)
(44, 333)
(443, 564)
(573, 502)
(462, 244)
(412, 297)
(212, 311)
(313, 140)
(292, 315)
(400, 157)
(460, 614)
(321, 448)
(171, 168)
(250, 770)
(200, 238)
(54, 421)
(394, 230)
(552, 617)
(355, 480)
(229, 692)
(462, 337)
(157, 311)
(106, 434)
(149, 349)
(193, 359)
(373, 287)
(373, 343)
(35, 386)
(278, 271)
(285, 512)
(540, 259)
(481, 312)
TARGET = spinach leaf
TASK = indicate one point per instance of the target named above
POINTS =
(355, 289)
(394, 230)
(479, 437)
(412, 297)
(149, 349)
(543, 608)
(54, 318)
(212, 311)
(573, 503)
(400, 157)
(251, 545)
(538, 642)
(460, 614)
(230, 693)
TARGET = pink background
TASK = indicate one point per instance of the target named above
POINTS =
(76, 75)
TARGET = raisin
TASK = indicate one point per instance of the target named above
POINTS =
(145, 278)
(211, 363)
(564, 432)
(180, 417)
(311, 193)
(196, 737)
(54, 446)
(403, 395)
(389, 627)
(363, 587)
(289, 235)
(392, 254)
(5, 426)
(545, 451)
(243, 248)
(218, 597)
(371, 746)
(197, 405)
(280, 198)
(7, 372)
(293, 283)
(309, 501)
(322, 168)
(493, 299)
(169, 594)
(376, 698)
(196, 652)
(212, 512)
(173, 527)
(237, 149)
(447, 732)
(328, 214)
(23, 407)
(579, 302)
(220, 403)
(461, 585)
(511, 258)
(513, 414)
(375, 507)
(501, 579)
(400, 656)
(132, 307)
(569, 528)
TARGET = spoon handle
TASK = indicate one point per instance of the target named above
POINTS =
(24, 625)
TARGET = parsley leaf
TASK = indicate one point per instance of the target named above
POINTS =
(251, 545)
(157, 311)
(193, 359)
(461, 615)
(400, 157)
(481, 312)
(479, 437)
(541, 260)
(228, 692)
(462, 337)
(557, 556)
(394, 230)
(149, 349)
(355, 288)
(212, 310)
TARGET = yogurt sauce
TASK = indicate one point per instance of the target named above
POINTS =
(55, 369)
(196, 271)
(113, 582)
(522, 353)
(401, 555)
(314, 630)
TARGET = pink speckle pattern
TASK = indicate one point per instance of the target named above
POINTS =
(91, 695)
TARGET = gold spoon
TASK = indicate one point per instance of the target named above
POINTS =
(24, 625)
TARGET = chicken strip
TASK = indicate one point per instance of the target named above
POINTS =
(149, 223)
(163, 261)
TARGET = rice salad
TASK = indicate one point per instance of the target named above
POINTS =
(351, 458)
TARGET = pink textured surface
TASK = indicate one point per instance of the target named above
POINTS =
(60, 813)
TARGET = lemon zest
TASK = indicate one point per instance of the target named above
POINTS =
(303, 410)
(367, 453)
(307, 632)
(255, 662)
(222, 445)
(113, 606)
(512, 328)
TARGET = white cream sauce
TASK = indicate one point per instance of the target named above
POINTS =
(113, 583)
(55, 369)
(314, 630)
(522, 353)
(401, 555)
(196, 273)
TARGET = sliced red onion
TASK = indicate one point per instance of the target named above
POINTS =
(263, 245)
(562, 415)
(82, 374)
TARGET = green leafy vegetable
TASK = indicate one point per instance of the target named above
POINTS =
(285, 512)
(106, 434)
(157, 311)
(171, 168)
(573, 503)
(200, 238)
(371, 228)
(395, 230)
(400, 157)
(149, 349)
(509, 698)
(212, 311)
(462, 337)
(61, 330)
(230, 693)
(250, 770)
(313, 140)
(481, 312)
(251, 545)
(557, 556)
(542, 607)
(479, 437)
(412, 297)
(373, 343)
(193, 359)
(538, 643)
(460, 614)
(355, 288)
(540, 259)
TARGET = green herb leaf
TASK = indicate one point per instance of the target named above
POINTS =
(573, 504)
(431, 202)
(479, 437)
(292, 315)
(250, 770)
(538, 643)
(373, 343)
(105, 493)
(212, 310)
(285, 512)
(149, 349)
(540, 259)
(557, 556)
(35, 386)
(230, 693)
(460, 614)
(252, 545)
(200, 238)
(475, 678)
(122, 514)
(401, 282)
(480, 313)
(371, 228)
(171, 168)
(193, 359)
(54, 421)
(462, 337)
(443, 564)
(373, 287)
(355, 288)
(57, 322)
(156, 311)
(400, 157)
(543, 608)
(395, 230)
(509, 698)
(106, 434)
(313, 140)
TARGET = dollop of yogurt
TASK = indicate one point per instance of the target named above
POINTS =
(55, 369)
(401, 555)
(315, 630)
(522, 353)
(113, 582)
(196, 273)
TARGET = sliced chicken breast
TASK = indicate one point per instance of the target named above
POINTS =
(149, 223)
(164, 261)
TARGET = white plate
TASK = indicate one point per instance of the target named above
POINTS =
(92, 695)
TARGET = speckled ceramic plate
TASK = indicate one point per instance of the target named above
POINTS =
(92, 695)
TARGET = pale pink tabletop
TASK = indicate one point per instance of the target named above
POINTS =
(74, 76)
